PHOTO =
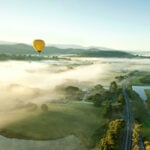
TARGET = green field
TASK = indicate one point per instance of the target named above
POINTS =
(141, 78)
(147, 93)
(61, 120)
(146, 129)
(141, 114)
(141, 111)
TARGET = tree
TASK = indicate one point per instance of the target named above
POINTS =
(120, 78)
(97, 100)
(135, 136)
(147, 147)
(113, 87)
(98, 86)
(108, 110)
(73, 93)
(111, 140)
(121, 98)
(44, 107)
(129, 90)
(119, 90)
(107, 95)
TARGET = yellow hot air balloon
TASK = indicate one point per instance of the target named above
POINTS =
(38, 45)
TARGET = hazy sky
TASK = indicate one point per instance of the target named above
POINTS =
(119, 24)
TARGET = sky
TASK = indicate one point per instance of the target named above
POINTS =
(118, 24)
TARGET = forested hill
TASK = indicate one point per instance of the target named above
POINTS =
(23, 49)
(106, 53)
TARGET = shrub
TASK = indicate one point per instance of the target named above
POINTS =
(44, 107)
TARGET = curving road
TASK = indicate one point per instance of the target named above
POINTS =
(127, 137)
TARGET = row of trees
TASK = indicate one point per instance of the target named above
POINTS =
(111, 140)
(147, 145)
(99, 95)
(112, 101)
(136, 137)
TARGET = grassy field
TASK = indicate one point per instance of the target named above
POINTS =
(141, 114)
(61, 120)
(138, 107)
(146, 128)
(141, 111)
(141, 78)
(147, 93)
(68, 143)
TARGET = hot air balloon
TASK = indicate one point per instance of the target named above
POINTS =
(38, 45)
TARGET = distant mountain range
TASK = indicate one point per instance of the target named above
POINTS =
(66, 46)
(24, 49)
(6, 42)
(141, 53)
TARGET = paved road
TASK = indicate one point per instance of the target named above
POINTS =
(141, 144)
(127, 138)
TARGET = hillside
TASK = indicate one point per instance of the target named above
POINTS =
(105, 53)
(27, 49)
(19, 51)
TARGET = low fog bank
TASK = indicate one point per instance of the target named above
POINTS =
(25, 83)
(30, 82)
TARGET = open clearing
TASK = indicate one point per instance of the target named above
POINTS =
(147, 93)
(68, 143)
(60, 121)
(141, 109)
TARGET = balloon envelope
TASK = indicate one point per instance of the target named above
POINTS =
(38, 45)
